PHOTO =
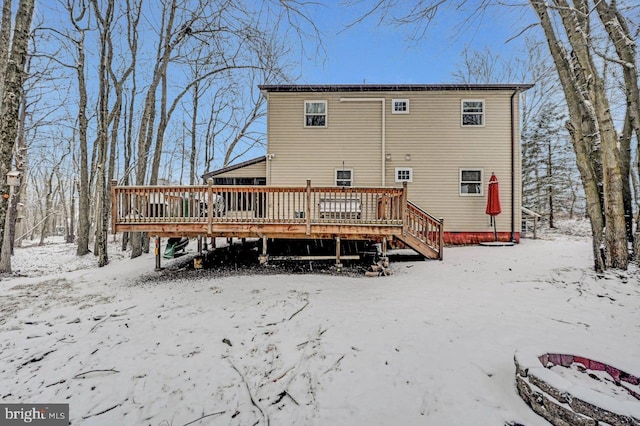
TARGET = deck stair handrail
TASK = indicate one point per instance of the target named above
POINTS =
(423, 232)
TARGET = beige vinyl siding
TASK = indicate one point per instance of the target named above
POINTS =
(440, 146)
(251, 171)
(432, 134)
(351, 140)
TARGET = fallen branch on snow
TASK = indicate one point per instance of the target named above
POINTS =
(334, 364)
(244, 380)
(111, 316)
(298, 311)
(98, 323)
(204, 417)
(79, 375)
(37, 358)
(103, 411)
(282, 375)
(281, 396)
(290, 318)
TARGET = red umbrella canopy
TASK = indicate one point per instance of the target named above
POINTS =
(493, 197)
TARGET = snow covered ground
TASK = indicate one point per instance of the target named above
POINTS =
(432, 344)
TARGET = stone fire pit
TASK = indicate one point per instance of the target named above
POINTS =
(572, 390)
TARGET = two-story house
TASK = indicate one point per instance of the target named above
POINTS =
(443, 140)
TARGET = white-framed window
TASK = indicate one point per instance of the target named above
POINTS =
(404, 174)
(471, 182)
(472, 112)
(315, 113)
(344, 177)
(400, 106)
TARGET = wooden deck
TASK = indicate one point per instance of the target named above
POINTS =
(276, 212)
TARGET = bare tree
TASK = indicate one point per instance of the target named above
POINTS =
(11, 99)
(220, 40)
(591, 127)
(105, 16)
(167, 42)
(485, 66)
(74, 40)
(624, 44)
(120, 112)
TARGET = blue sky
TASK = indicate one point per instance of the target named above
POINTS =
(383, 54)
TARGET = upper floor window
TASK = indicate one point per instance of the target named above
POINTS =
(315, 113)
(473, 112)
(470, 181)
(400, 106)
(344, 177)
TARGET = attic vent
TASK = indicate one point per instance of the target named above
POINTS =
(400, 106)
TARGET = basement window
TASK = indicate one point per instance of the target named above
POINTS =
(400, 106)
(315, 113)
(471, 182)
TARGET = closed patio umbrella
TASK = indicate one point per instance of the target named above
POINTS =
(493, 202)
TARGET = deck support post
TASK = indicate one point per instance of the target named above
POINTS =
(384, 258)
(441, 236)
(157, 253)
(307, 209)
(263, 258)
(199, 245)
(403, 208)
(213, 242)
(338, 262)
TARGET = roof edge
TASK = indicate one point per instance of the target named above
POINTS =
(388, 87)
(226, 169)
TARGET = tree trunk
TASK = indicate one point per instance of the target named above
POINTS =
(11, 98)
(623, 41)
(102, 196)
(46, 214)
(5, 259)
(594, 137)
(194, 139)
(549, 181)
(84, 224)
(5, 40)
(162, 127)
(72, 215)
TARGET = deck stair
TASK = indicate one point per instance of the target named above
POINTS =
(422, 232)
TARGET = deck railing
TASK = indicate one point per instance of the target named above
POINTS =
(205, 208)
(257, 204)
